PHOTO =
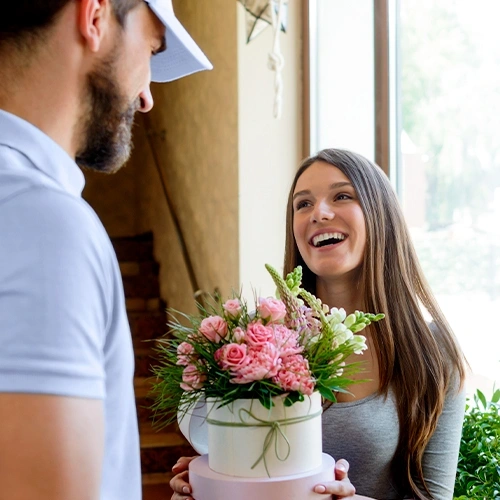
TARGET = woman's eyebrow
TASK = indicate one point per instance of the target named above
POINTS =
(300, 193)
(335, 185)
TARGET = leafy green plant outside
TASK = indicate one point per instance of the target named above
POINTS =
(478, 472)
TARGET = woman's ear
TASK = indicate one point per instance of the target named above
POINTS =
(94, 21)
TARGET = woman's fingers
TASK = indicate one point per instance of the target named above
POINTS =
(179, 483)
(341, 469)
(341, 487)
(181, 487)
(182, 464)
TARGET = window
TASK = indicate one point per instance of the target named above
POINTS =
(440, 71)
(449, 173)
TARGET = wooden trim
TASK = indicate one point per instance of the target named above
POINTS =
(306, 81)
(382, 99)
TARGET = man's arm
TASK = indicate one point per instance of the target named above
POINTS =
(51, 447)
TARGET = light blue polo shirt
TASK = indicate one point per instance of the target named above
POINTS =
(63, 323)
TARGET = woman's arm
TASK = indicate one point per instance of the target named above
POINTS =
(441, 454)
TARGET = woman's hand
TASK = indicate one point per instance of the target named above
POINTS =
(182, 489)
(341, 487)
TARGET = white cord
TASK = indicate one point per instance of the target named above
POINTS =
(276, 60)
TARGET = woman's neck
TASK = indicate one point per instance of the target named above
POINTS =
(343, 293)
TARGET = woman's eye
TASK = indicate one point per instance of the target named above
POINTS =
(343, 196)
(301, 204)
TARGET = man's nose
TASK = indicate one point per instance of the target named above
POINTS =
(146, 100)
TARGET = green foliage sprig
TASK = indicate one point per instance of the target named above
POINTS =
(478, 472)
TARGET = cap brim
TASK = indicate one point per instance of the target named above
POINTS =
(182, 57)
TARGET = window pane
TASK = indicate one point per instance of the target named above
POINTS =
(450, 172)
(342, 75)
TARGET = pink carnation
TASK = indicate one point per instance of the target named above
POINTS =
(192, 378)
(231, 356)
(184, 353)
(271, 309)
(262, 362)
(257, 334)
(287, 341)
(232, 307)
(214, 328)
(294, 375)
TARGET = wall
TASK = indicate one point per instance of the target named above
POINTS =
(269, 149)
(193, 131)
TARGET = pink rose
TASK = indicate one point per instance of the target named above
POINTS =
(184, 352)
(262, 362)
(231, 356)
(214, 328)
(257, 334)
(192, 379)
(232, 307)
(238, 335)
(271, 309)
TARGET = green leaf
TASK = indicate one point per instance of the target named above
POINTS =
(482, 398)
(496, 396)
(327, 393)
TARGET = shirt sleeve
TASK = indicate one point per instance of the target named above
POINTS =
(54, 296)
(441, 454)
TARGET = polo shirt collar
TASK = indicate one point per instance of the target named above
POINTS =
(43, 152)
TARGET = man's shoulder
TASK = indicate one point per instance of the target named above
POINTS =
(35, 208)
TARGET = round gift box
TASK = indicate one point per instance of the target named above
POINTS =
(209, 485)
(245, 439)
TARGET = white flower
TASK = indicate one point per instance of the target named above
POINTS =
(358, 342)
(336, 316)
(342, 333)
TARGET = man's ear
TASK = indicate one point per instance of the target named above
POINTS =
(94, 21)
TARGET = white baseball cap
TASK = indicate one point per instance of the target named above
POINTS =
(182, 57)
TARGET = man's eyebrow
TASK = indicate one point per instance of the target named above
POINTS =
(162, 47)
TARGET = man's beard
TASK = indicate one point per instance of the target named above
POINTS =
(108, 120)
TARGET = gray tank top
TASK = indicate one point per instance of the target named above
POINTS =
(366, 432)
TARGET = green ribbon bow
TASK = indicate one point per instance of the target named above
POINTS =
(275, 431)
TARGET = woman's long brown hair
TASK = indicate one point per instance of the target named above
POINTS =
(394, 284)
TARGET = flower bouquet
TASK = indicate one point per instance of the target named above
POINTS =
(262, 372)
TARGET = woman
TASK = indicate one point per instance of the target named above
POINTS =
(400, 430)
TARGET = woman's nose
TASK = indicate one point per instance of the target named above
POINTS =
(322, 212)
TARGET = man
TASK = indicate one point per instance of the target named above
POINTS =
(72, 75)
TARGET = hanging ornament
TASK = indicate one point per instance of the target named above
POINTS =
(258, 16)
